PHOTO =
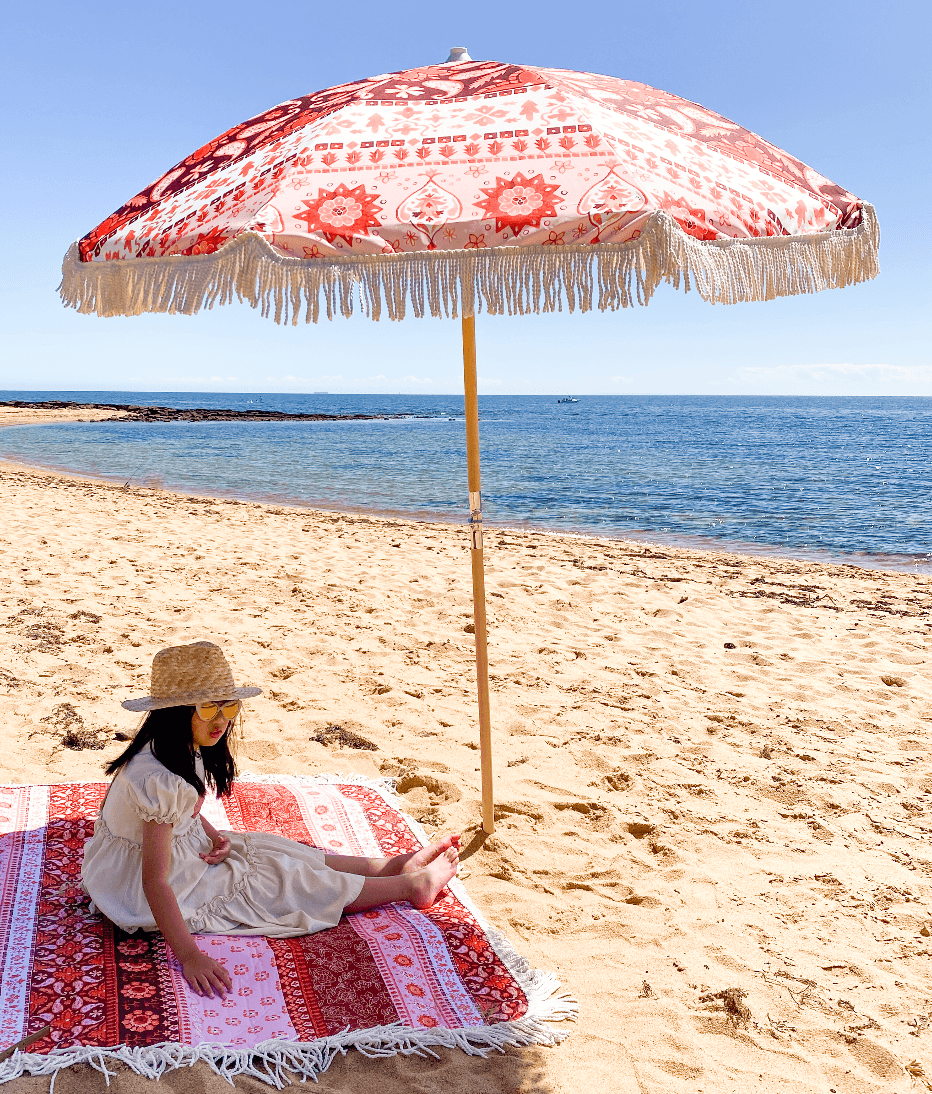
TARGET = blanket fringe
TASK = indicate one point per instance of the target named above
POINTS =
(277, 1062)
(499, 280)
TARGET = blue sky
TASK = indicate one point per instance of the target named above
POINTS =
(102, 98)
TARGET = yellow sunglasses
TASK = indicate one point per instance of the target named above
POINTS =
(208, 711)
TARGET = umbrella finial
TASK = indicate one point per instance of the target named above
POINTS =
(457, 54)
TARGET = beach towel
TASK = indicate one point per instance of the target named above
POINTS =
(393, 979)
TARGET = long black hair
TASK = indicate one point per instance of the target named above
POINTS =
(169, 732)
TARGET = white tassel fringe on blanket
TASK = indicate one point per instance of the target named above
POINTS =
(278, 1062)
(499, 280)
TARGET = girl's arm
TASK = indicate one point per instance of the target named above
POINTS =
(205, 975)
(221, 845)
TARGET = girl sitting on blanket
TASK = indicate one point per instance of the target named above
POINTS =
(154, 863)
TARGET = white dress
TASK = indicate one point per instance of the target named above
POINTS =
(267, 884)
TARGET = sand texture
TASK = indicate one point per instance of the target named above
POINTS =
(711, 770)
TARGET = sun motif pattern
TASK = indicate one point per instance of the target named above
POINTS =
(97, 986)
(470, 156)
(518, 203)
(341, 213)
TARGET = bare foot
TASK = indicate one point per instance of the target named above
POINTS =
(427, 884)
(419, 859)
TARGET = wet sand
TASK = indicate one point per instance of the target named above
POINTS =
(14, 415)
(711, 769)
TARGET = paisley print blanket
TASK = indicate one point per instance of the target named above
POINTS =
(391, 979)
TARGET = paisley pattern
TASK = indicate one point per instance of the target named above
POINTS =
(96, 985)
(471, 155)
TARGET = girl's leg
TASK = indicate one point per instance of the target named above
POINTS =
(420, 887)
(373, 867)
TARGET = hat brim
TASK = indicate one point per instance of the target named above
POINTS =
(149, 702)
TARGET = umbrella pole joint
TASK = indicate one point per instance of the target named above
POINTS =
(475, 519)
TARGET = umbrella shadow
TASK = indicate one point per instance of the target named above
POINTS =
(476, 843)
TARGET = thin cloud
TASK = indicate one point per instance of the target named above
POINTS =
(867, 372)
(180, 383)
(302, 381)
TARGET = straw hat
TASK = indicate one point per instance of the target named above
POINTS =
(185, 675)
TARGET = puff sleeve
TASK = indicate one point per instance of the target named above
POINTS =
(161, 796)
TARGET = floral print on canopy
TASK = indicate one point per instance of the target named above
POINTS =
(340, 213)
(518, 203)
(472, 155)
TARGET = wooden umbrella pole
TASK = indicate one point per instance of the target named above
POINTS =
(478, 568)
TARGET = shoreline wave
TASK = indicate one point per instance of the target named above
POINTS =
(879, 562)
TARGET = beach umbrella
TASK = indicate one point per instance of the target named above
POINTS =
(464, 186)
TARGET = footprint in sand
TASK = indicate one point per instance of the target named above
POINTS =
(439, 791)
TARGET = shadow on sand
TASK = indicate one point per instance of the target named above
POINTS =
(515, 1071)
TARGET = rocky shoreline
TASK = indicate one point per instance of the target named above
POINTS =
(127, 412)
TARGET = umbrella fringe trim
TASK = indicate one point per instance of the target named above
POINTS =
(500, 280)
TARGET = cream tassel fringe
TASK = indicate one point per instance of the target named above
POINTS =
(278, 1062)
(500, 280)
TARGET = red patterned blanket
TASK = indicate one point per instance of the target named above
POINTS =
(392, 979)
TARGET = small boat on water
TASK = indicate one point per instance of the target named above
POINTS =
(568, 399)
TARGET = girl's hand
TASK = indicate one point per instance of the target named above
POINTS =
(206, 976)
(219, 851)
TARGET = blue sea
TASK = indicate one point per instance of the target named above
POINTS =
(843, 479)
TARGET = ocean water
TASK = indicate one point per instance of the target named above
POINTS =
(837, 479)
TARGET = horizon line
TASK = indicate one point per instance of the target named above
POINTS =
(459, 394)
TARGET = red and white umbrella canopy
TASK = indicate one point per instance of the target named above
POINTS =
(468, 185)
(465, 186)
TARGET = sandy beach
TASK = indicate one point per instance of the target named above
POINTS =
(10, 415)
(711, 769)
